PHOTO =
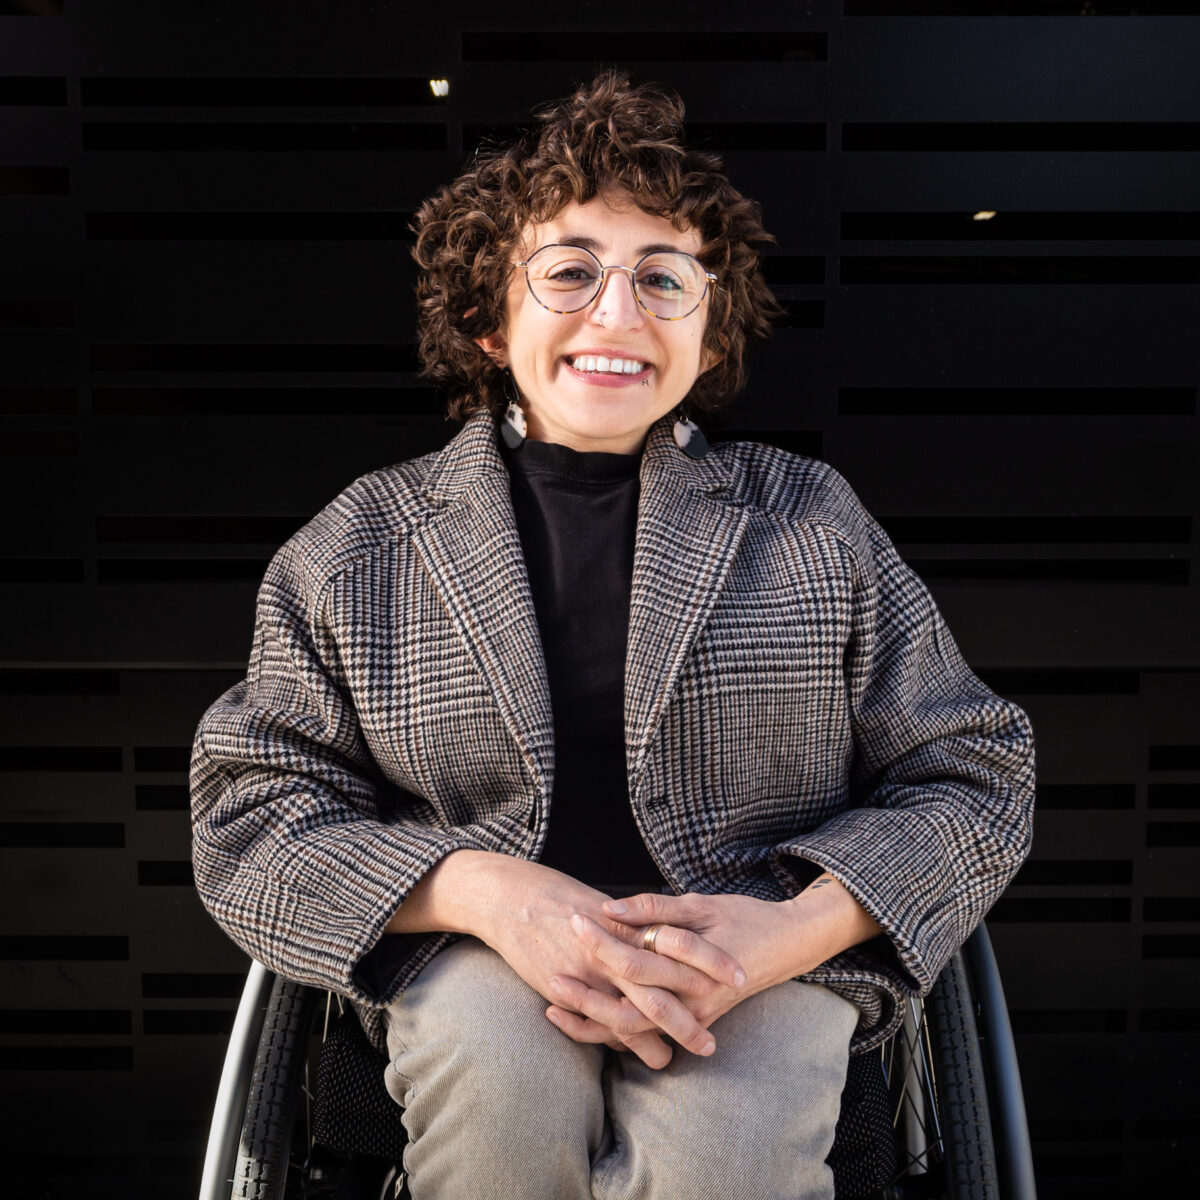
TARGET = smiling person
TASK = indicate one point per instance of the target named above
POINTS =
(626, 784)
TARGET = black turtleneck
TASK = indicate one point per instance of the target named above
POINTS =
(577, 518)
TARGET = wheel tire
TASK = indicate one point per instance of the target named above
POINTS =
(275, 1086)
(969, 1153)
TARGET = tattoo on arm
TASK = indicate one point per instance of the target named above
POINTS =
(820, 881)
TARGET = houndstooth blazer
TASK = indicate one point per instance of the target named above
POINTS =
(793, 702)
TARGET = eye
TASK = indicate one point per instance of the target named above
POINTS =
(571, 272)
(660, 280)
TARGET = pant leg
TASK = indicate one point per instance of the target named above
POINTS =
(752, 1122)
(497, 1102)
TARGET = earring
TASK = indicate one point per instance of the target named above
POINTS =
(689, 437)
(513, 428)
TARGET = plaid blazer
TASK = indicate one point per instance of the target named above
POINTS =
(792, 698)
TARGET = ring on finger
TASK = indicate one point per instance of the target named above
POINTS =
(649, 937)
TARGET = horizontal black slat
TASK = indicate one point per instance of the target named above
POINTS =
(34, 181)
(1062, 269)
(1066, 570)
(164, 873)
(1027, 135)
(1068, 1020)
(65, 1020)
(37, 313)
(1169, 1020)
(249, 226)
(66, 1058)
(161, 797)
(179, 570)
(41, 570)
(193, 529)
(239, 357)
(38, 90)
(1019, 8)
(1070, 872)
(161, 758)
(60, 758)
(1173, 834)
(39, 401)
(1171, 945)
(93, 835)
(1174, 758)
(1020, 226)
(248, 91)
(1171, 908)
(64, 947)
(1078, 796)
(1017, 402)
(192, 985)
(348, 401)
(680, 45)
(183, 1022)
(298, 137)
(39, 443)
(802, 314)
(794, 270)
(59, 681)
(1062, 908)
(1040, 529)
(1174, 795)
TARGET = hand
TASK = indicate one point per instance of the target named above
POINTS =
(524, 911)
(775, 941)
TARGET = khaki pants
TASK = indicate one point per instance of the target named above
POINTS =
(499, 1105)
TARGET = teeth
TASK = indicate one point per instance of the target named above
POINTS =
(613, 366)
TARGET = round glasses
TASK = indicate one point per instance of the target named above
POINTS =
(668, 284)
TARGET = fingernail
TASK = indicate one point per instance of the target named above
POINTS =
(618, 908)
(555, 985)
(577, 923)
(552, 1016)
(708, 1048)
(739, 977)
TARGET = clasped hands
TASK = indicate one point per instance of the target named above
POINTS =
(711, 953)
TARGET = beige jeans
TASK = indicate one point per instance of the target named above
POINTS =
(499, 1105)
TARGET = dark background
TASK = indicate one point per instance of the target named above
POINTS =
(205, 333)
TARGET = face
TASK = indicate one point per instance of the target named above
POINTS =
(591, 409)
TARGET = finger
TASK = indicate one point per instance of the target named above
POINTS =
(688, 947)
(649, 1047)
(625, 961)
(673, 948)
(649, 908)
(626, 1015)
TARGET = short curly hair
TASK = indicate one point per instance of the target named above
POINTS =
(609, 134)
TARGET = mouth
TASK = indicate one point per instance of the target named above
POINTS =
(606, 367)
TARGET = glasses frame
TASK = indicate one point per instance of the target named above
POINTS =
(710, 280)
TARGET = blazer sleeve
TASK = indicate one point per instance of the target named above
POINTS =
(942, 772)
(296, 852)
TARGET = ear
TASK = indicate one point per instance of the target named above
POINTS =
(495, 347)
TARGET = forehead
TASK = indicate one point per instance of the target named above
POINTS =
(611, 223)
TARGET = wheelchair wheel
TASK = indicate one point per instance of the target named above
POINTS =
(265, 1159)
(939, 1098)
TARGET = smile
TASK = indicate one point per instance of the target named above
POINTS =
(594, 363)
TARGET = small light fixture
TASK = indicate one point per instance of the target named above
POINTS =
(440, 87)
(983, 216)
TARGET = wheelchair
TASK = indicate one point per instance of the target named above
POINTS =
(936, 1114)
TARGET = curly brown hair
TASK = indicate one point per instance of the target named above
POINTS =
(609, 134)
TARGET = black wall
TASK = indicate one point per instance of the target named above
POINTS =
(205, 333)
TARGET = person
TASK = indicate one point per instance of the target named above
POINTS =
(623, 781)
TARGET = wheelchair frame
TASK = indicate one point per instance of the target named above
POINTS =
(952, 1074)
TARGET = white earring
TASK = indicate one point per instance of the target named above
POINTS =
(513, 428)
(689, 437)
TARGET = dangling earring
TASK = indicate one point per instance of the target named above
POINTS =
(513, 428)
(689, 437)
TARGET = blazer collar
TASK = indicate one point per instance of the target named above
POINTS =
(688, 533)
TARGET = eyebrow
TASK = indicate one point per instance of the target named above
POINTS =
(590, 243)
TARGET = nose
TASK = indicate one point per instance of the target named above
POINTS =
(615, 305)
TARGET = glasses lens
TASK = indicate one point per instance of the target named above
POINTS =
(670, 285)
(563, 278)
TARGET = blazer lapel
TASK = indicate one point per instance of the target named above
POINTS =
(687, 536)
(472, 550)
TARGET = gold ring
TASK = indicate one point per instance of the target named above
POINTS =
(649, 936)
